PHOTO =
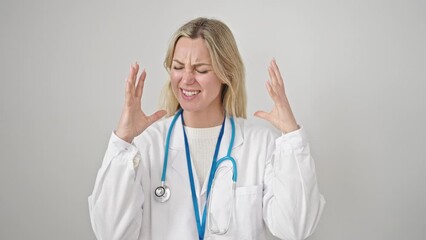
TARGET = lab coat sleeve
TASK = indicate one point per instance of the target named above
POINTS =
(116, 202)
(292, 201)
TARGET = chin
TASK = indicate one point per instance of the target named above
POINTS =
(189, 109)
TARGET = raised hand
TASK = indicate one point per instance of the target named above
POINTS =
(281, 115)
(133, 120)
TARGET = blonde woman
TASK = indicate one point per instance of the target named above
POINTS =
(203, 172)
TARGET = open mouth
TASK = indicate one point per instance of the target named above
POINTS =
(190, 93)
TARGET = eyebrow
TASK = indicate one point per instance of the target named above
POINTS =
(195, 65)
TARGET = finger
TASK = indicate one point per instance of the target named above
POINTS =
(128, 90)
(275, 82)
(277, 72)
(130, 86)
(129, 94)
(140, 84)
(272, 78)
(134, 68)
(129, 79)
(271, 91)
(263, 115)
(269, 88)
(276, 96)
(156, 116)
(274, 74)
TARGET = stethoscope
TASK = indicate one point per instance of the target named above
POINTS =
(162, 193)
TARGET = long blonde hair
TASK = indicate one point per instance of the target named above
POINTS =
(226, 62)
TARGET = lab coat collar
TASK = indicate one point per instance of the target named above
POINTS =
(177, 141)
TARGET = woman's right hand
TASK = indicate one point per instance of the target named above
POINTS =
(133, 120)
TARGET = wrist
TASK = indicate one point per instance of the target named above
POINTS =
(290, 128)
(289, 125)
(125, 137)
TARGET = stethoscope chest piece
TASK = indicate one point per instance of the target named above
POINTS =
(162, 193)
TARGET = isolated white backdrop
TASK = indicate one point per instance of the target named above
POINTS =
(354, 72)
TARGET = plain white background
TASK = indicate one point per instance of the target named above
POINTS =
(354, 73)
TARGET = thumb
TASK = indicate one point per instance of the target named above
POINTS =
(157, 115)
(263, 115)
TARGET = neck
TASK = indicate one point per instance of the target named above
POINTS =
(203, 119)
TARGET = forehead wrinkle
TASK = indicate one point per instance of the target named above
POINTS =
(194, 64)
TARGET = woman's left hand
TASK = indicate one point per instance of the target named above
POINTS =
(281, 115)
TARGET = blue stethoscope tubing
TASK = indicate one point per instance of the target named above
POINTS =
(201, 224)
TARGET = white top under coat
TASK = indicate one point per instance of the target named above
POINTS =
(202, 143)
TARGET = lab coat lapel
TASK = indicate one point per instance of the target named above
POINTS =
(224, 145)
(177, 159)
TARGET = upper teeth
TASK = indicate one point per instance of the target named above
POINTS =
(189, 93)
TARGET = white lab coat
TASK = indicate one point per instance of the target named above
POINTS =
(276, 187)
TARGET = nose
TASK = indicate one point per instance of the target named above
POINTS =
(188, 77)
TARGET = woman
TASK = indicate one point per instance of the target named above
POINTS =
(204, 172)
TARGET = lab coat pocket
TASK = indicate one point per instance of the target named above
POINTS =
(248, 212)
(221, 201)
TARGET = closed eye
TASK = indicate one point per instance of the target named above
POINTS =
(202, 72)
(177, 67)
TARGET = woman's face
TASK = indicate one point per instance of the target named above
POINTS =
(195, 85)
